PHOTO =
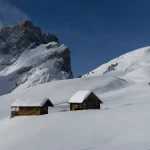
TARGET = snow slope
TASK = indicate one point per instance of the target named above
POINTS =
(122, 123)
(122, 128)
(134, 65)
(62, 91)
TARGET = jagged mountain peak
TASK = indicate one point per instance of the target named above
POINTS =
(21, 36)
(29, 57)
(27, 23)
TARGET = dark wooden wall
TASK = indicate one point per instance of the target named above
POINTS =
(29, 111)
(44, 109)
(91, 102)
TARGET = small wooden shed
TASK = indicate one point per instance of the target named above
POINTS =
(84, 100)
(36, 106)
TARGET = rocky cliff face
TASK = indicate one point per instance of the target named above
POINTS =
(29, 57)
(22, 36)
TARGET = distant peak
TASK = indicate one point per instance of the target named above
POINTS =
(27, 23)
(26, 34)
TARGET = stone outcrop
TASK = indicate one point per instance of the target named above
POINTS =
(29, 57)
(22, 36)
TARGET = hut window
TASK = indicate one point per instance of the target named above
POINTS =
(14, 109)
(17, 109)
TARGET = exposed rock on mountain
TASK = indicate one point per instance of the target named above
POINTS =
(29, 57)
(22, 36)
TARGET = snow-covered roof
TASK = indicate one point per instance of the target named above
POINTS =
(79, 96)
(30, 102)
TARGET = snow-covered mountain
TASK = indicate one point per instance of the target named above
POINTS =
(121, 124)
(134, 65)
(28, 57)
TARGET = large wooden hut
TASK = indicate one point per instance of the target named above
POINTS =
(36, 106)
(84, 100)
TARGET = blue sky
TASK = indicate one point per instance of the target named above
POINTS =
(96, 31)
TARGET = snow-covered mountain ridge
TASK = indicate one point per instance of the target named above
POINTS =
(134, 65)
(28, 57)
(122, 123)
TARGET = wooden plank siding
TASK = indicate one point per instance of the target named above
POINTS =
(23, 111)
(44, 109)
(29, 111)
(76, 107)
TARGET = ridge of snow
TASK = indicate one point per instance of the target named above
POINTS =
(127, 65)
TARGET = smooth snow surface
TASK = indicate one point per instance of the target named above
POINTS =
(79, 96)
(122, 123)
(30, 102)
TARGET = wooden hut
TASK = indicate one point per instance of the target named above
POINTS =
(37, 106)
(84, 100)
